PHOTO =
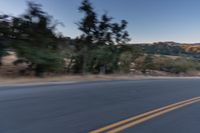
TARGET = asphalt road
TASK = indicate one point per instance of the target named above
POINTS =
(84, 107)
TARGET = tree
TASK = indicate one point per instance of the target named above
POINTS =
(148, 63)
(121, 36)
(36, 41)
(88, 24)
(97, 33)
(125, 60)
(104, 33)
(4, 34)
(102, 60)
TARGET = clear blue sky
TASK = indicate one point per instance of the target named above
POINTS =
(149, 20)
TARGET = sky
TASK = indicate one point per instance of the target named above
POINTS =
(149, 20)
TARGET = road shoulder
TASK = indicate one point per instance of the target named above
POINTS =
(30, 81)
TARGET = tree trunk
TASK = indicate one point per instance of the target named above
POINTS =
(103, 69)
(84, 66)
(39, 71)
(69, 65)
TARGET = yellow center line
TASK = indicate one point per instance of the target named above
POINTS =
(141, 115)
(116, 130)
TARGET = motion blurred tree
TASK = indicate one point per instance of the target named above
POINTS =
(97, 33)
(88, 24)
(104, 33)
(88, 27)
(101, 31)
(5, 34)
(36, 41)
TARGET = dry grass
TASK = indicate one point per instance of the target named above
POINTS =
(77, 78)
(191, 48)
(8, 80)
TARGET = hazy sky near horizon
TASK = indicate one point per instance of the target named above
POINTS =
(149, 20)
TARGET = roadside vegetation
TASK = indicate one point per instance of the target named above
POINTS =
(102, 48)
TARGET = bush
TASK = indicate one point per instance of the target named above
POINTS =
(179, 65)
(125, 60)
(145, 63)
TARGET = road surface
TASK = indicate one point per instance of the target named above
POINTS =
(92, 106)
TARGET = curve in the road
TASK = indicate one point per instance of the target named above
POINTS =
(130, 122)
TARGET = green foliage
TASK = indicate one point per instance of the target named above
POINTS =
(125, 60)
(35, 40)
(180, 65)
(88, 24)
(175, 65)
(94, 53)
(148, 63)
(42, 60)
(4, 35)
(163, 48)
(102, 60)
(168, 48)
(100, 31)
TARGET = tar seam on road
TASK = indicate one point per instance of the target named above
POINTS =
(130, 122)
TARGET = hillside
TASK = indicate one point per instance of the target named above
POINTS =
(171, 48)
(192, 48)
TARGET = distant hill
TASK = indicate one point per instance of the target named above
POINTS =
(193, 48)
(171, 48)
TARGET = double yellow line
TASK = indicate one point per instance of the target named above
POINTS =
(130, 122)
